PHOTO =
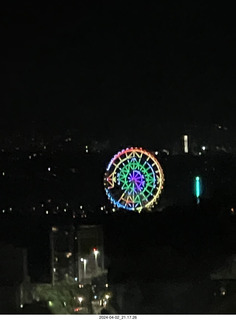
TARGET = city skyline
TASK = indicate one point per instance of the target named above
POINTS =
(117, 158)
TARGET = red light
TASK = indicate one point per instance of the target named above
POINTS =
(95, 249)
(77, 309)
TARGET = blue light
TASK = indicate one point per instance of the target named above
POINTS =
(197, 187)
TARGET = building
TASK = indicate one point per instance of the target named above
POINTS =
(63, 253)
(15, 286)
(77, 253)
(90, 253)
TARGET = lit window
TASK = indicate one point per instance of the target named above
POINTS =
(68, 254)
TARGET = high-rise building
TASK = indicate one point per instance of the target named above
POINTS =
(15, 285)
(186, 143)
(90, 252)
(63, 253)
(77, 253)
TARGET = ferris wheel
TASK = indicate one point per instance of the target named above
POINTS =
(133, 179)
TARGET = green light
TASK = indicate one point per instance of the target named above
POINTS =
(197, 187)
(50, 303)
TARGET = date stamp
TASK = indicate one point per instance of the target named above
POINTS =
(118, 317)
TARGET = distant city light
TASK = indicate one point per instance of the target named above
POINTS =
(46, 211)
(203, 148)
(106, 285)
(76, 309)
(185, 143)
(156, 153)
(49, 169)
(197, 188)
(69, 254)
(3, 173)
(21, 306)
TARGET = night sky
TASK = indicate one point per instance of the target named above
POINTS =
(116, 67)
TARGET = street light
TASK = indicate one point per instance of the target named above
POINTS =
(85, 265)
(96, 252)
(80, 299)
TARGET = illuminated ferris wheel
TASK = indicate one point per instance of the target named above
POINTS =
(133, 179)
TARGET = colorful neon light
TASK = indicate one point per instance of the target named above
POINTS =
(133, 179)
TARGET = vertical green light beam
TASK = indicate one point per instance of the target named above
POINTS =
(197, 187)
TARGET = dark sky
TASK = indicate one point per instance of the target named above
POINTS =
(111, 67)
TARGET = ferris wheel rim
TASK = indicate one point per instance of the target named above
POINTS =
(158, 175)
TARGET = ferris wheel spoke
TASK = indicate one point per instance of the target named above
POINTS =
(138, 176)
